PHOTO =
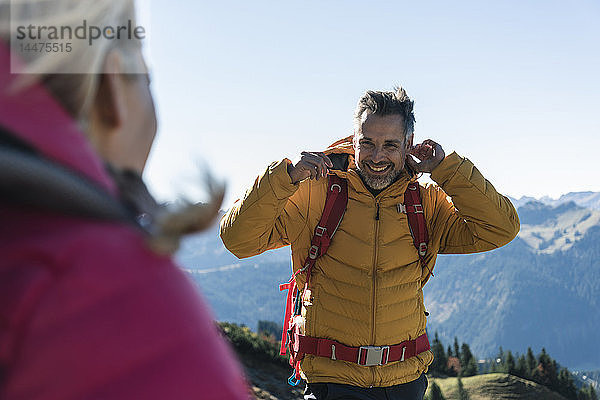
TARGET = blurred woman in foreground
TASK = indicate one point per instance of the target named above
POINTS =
(91, 305)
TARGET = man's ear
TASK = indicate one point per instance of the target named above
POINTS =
(111, 104)
(409, 142)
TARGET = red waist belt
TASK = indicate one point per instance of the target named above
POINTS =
(363, 355)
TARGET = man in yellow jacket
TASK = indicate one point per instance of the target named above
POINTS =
(366, 290)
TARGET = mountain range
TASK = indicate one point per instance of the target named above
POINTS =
(589, 200)
(541, 290)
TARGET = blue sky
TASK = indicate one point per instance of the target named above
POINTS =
(512, 85)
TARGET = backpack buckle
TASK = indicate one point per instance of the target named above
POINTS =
(422, 248)
(313, 253)
(320, 230)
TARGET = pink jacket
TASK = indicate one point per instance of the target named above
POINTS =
(87, 311)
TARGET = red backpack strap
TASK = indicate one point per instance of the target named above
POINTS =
(413, 208)
(333, 212)
(335, 207)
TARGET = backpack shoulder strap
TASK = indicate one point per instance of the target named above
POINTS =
(333, 212)
(413, 208)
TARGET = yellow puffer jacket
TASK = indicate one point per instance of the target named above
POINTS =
(367, 288)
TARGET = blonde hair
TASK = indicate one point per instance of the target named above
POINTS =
(74, 90)
(77, 92)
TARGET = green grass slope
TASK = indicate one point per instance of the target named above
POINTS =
(496, 387)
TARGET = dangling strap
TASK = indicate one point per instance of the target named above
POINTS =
(291, 288)
(413, 208)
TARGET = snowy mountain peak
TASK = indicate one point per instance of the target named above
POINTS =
(583, 199)
(548, 229)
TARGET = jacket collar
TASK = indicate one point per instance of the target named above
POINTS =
(395, 189)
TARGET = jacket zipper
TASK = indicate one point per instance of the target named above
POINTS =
(374, 275)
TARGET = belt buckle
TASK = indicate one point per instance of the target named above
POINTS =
(375, 355)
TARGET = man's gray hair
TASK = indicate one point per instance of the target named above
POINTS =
(387, 103)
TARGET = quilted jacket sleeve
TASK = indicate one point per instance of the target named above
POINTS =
(470, 215)
(262, 220)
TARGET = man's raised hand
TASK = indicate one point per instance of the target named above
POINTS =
(430, 155)
(312, 165)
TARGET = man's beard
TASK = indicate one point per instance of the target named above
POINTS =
(377, 182)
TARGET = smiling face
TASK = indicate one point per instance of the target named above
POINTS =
(380, 149)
